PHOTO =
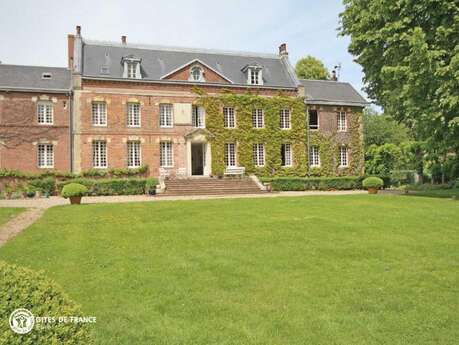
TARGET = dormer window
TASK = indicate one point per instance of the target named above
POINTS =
(131, 67)
(196, 74)
(254, 74)
(132, 70)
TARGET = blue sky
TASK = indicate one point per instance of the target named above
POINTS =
(35, 32)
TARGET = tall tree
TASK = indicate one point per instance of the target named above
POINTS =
(380, 129)
(409, 52)
(311, 68)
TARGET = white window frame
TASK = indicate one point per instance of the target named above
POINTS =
(99, 114)
(45, 156)
(192, 75)
(342, 121)
(287, 154)
(45, 113)
(309, 120)
(166, 115)
(133, 114)
(198, 117)
(254, 76)
(258, 118)
(314, 156)
(343, 157)
(229, 117)
(131, 69)
(258, 151)
(285, 119)
(166, 154)
(99, 154)
(134, 151)
(230, 155)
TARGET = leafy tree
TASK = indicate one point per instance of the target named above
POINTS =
(409, 52)
(311, 68)
(383, 129)
(382, 160)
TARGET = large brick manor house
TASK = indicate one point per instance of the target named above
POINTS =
(182, 112)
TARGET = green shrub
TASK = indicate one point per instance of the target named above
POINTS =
(94, 173)
(74, 189)
(133, 186)
(150, 185)
(314, 183)
(45, 185)
(372, 182)
(24, 288)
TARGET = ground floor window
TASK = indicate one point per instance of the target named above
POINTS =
(230, 154)
(343, 156)
(165, 154)
(134, 155)
(314, 157)
(99, 154)
(259, 155)
(45, 156)
(286, 155)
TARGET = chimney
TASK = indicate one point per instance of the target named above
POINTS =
(283, 49)
(78, 30)
(334, 77)
(123, 39)
(70, 48)
(75, 46)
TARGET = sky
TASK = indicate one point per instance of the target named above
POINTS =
(35, 32)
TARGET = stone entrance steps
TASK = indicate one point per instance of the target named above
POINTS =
(210, 186)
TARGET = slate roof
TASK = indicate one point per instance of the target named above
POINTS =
(159, 61)
(332, 92)
(29, 78)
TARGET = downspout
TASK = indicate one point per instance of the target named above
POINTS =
(308, 131)
(70, 94)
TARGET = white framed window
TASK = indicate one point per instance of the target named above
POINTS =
(258, 154)
(286, 155)
(198, 117)
(45, 155)
(254, 76)
(343, 156)
(258, 118)
(134, 154)
(314, 156)
(99, 154)
(284, 117)
(313, 119)
(165, 115)
(229, 118)
(196, 74)
(165, 154)
(342, 123)
(133, 114)
(45, 112)
(230, 154)
(99, 114)
(132, 70)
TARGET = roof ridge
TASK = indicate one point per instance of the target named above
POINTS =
(181, 49)
(326, 81)
(36, 66)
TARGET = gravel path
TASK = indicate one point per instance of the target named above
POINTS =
(17, 224)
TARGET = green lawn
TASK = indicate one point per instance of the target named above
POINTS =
(313, 270)
(436, 193)
(6, 213)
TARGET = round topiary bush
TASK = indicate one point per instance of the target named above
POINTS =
(372, 182)
(24, 288)
(74, 189)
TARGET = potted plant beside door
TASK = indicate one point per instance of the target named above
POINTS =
(74, 191)
(372, 184)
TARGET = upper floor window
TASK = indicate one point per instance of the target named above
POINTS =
(196, 74)
(343, 157)
(45, 113)
(286, 155)
(342, 123)
(99, 154)
(99, 114)
(314, 158)
(198, 117)
(132, 70)
(131, 67)
(285, 122)
(254, 76)
(165, 115)
(45, 156)
(258, 155)
(313, 119)
(133, 114)
(134, 156)
(258, 120)
(228, 117)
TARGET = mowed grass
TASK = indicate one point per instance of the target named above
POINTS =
(313, 270)
(7, 213)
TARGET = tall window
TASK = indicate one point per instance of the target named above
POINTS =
(228, 117)
(230, 154)
(258, 155)
(132, 70)
(285, 119)
(133, 116)
(313, 119)
(165, 115)
(99, 154)
(45, 156)
(165, 154)
(258, 120)
(342, 126)
(286, 155)
(99, 114)
(343, 156)
(45, 113)
(196, 74)
(254, 76)
(198, 117)
(314, 157)
(134, 155)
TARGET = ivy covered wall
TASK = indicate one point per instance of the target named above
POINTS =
(244, 135)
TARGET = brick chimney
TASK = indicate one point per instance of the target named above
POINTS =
(283, 49)
(123, 39)
(71, 47)
(333, 76)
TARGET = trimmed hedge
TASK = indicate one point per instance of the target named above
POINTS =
(132, 186)
(314, 183)
(45, 185)
(24, 288)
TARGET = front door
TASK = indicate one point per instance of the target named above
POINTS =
(197, 159)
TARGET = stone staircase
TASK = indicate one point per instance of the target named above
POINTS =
(210, 186)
